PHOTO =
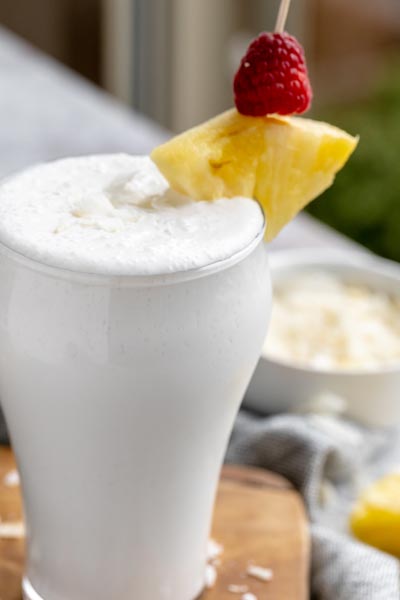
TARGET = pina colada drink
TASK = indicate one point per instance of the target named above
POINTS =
(131, 321)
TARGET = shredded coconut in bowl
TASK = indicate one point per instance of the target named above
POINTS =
(320, 321)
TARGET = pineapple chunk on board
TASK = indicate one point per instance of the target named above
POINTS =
(283, 162)
(375, 518)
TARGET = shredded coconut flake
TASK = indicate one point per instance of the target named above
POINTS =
(210, 576)
(320, 321)
(214, 550)
(11, 479)
(12, 530)
(260, 573)
(238, 589)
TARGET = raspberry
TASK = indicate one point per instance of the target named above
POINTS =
(272, 77)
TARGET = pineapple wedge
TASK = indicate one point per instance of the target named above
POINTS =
(375, 519)
(283, 162)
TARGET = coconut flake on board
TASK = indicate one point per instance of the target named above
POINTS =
(12, 530)
(249, 596)
(238, 589)
(214, 550)
(210, 576)
(261, 573)
(11, 479)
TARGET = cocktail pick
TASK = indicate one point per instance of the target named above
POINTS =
(282, 16)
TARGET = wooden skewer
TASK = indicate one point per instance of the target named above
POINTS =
(282, 16)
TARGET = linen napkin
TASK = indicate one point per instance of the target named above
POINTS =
(328, 460)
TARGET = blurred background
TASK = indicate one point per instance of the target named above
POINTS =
(173, 61)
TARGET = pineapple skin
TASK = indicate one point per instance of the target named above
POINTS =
(375, 519)
(283, 162)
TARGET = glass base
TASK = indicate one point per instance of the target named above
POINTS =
(28, 592)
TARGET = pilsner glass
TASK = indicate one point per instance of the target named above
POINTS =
(120, 393)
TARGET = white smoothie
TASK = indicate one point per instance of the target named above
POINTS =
(116, 214)
(126, 346)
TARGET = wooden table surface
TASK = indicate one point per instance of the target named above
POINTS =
(258, 519)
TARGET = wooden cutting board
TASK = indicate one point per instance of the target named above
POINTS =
(259, 519)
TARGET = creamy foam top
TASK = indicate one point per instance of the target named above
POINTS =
(115, 214)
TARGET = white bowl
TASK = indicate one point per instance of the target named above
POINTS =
(370, 396)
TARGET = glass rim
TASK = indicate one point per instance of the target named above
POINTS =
(133, 280)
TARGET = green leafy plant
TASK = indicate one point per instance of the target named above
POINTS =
(364, 202)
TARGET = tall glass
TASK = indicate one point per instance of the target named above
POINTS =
(120, 394)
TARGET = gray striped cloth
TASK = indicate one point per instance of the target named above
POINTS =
(328, 460)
